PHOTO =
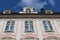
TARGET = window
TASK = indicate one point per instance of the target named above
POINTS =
(29, 26)
(47, 25)
(28, 11)
(7, 12)
(10, 26)
(49, 12)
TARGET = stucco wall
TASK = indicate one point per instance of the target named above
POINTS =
(38, 29)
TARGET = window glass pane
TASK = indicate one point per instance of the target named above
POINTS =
(45, 28)
(26, 28)
(44, 21)
(7, 27)
(50, 26)
(26, 25)
(31, 28)
(48, 21)
(8, 22)
(30, 21)
(28, 11)
(12, 22)
(12, 25)
(26, 21)
(31, 25)
(45, 25)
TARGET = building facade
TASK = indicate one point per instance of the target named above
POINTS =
(29, 25)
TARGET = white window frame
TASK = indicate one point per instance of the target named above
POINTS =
(9, 26)
(29, 26)
(49, 29)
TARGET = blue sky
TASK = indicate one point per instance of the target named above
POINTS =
(17, 5)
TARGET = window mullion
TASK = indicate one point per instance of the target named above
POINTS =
(47, 25)
(29, 25)
(10, 26)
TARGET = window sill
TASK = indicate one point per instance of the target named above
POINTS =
(49, 31)
(29, 31)
(8, 31)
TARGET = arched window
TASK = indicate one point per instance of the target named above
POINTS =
(28, 10)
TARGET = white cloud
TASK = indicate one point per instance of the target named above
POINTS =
(37, 4)
(32, 3)
(52, 2)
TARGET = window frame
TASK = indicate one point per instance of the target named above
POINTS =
(10, 24)
(28, 10)
(48, 25)
(30, 26)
